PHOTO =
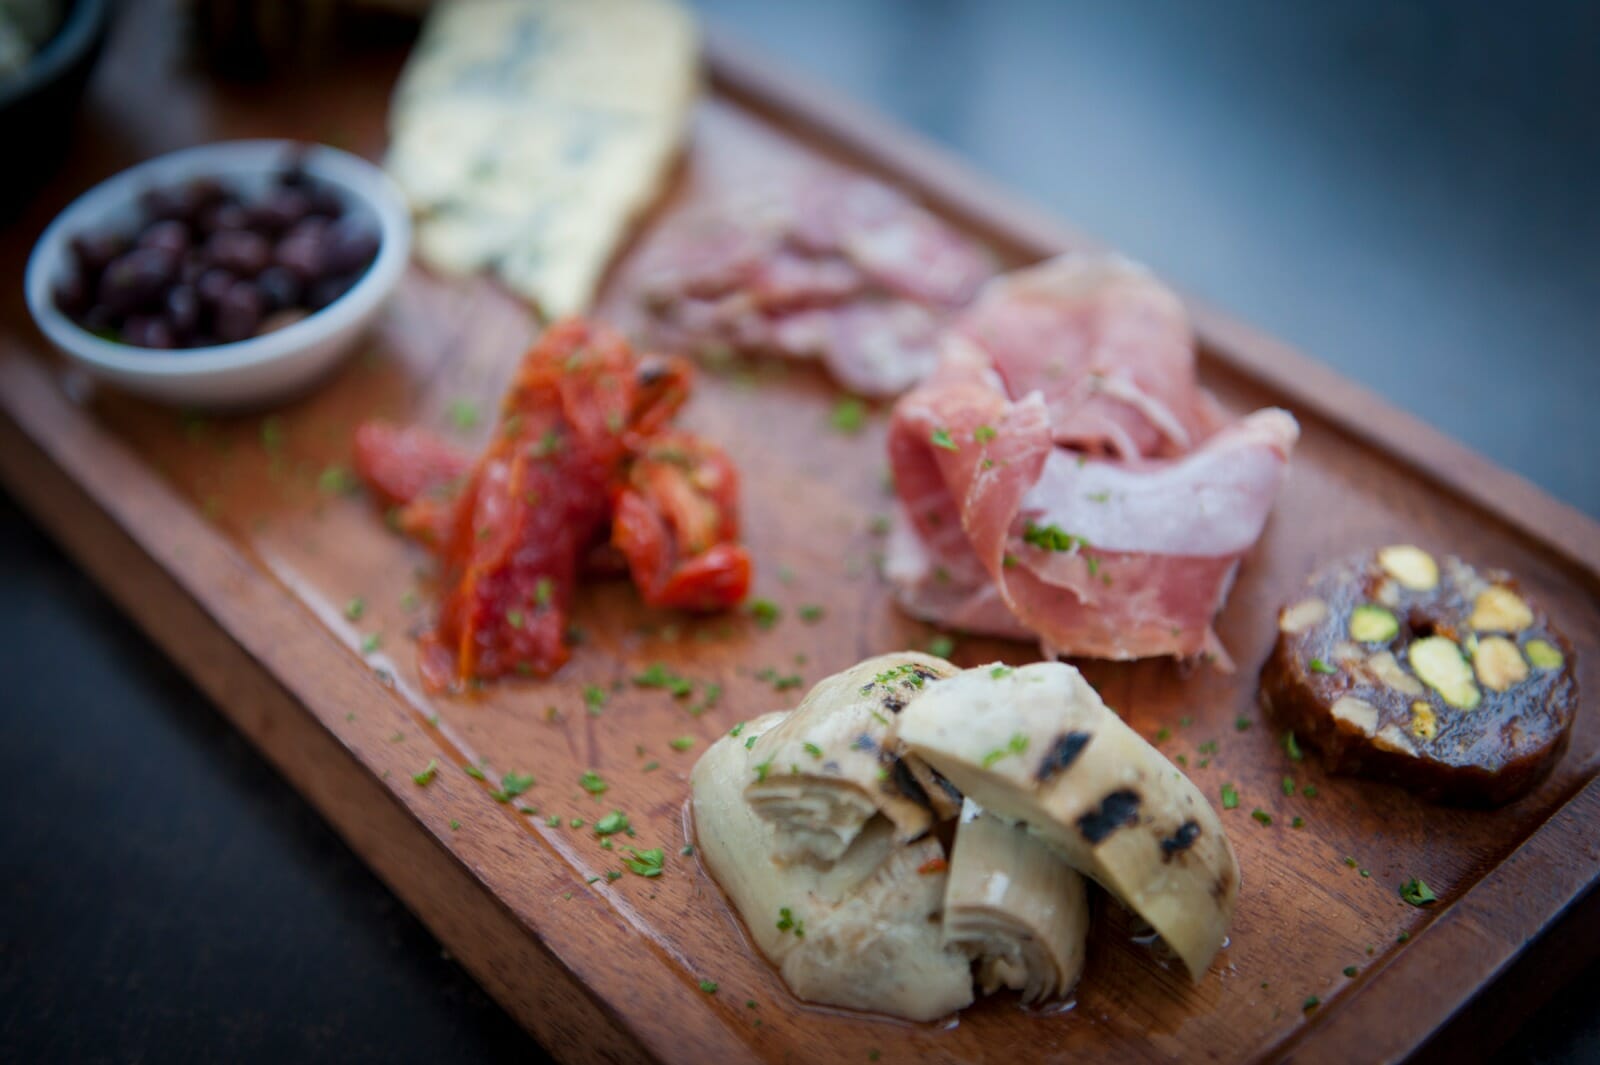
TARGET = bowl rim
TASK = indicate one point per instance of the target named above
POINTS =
(223, 159)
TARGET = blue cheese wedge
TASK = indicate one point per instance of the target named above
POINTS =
(529, 134)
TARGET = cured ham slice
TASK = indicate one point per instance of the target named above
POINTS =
(1063, 476)
(827, 266)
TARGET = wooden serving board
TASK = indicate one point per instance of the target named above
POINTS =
(220, 538)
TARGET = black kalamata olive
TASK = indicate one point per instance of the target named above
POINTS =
(327, 290)
(326, 203)
(94, 251)
(303, 253)
(182, 311)
(71, 295)
(167, 203)
(279, 287)
(239, 312)
(280, 210)
(223, 216)
(350, 246)
(145, 331)
(168, 235)
(239, 250)
(137, 279)
(205, 191)
(213, 285)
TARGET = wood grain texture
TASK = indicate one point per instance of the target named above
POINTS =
(218, 539)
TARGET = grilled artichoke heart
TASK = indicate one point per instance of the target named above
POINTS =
(1016, 906)
(862, 932)
(1036, 746)
(822, 773)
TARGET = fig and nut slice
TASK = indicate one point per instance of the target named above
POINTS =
(1423, 671)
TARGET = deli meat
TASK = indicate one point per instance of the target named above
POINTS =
(1063, 476)
(826, 266)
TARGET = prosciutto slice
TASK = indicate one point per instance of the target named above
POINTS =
(826, 266)
(1063, 476)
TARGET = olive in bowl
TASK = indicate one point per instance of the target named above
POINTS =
(224, 276)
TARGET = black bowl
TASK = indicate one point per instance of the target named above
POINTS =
(37, 107)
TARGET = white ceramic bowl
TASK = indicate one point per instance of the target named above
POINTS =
(249, 372)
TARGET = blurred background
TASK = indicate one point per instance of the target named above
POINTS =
(1404, 191)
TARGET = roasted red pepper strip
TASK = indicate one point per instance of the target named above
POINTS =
(581, 443)
(675, 520)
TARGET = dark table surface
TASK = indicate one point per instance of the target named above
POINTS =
(1405, 191)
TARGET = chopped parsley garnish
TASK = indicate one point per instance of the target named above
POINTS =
(765, 612)
(1291, 747)
(337, 480)
(681, 743)
(1288, 785)
(659, 676)
(513, 784)
(1261, 815)
(810, 613)
(735, 730)
(1241, 723)
(649, 864)
(371, 642)
(1051, 537)
(708, 986)
(514, 618)
(1098, 497)
(473, 771)
(425, 777)
(1319, 666)
(355, 608)
(1018, 744)
(763, 769)
(787, 922)
(554, 820)
(1163, 734)
(1298, 822)
(1309, 791)
(612, 823)
(1311, 1003)
(983, 434)
(650, 767)
(594, 697)
(812, 749)
(1001, 671)
(941, 647)
(577, 822)
(849, 415)
(1351, 970)
(454, 824)
(463, 414)
(1417, 893)
(272, 434)
(591, 782)
(1230, 796)
(543, 589)
(941, 438)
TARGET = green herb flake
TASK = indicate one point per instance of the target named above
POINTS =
(811, 613)
(1417, 893)
(848, 415)
(473, 771)
(1261, 815)
(463, 414)
(591, 782)
(425, 777)
(612, 823)
(708, 986)
(941, 646)
(1241, 723)
(514, 618)
(940, 438)
(1291, 747)
(1319, 666)
(355, 608)
(594, 697)
(1163, 734)
(764, 612)
(1288, 785)
(647, 863)
(371, 642)
(554, 820)
(337, 480)
(1230, 797)
(681, 743)
(813, 750)
(454, 824)
(1051, 537)
(1309, 791)
(1350, 971)
(1311, 1003)
(983, 434)
(763, 769)
(514, 784)
(1402, 937)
